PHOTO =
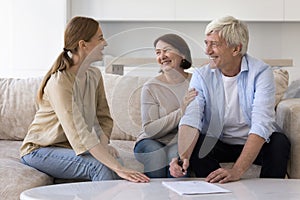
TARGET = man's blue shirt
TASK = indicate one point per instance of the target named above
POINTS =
(256, 92)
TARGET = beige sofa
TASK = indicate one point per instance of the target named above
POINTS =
(17, 109)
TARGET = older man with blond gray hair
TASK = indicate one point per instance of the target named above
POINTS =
(232, 119)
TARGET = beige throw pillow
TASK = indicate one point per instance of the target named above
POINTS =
(123, 96)
(281, 77)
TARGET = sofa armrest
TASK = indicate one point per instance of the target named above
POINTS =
(288, 118)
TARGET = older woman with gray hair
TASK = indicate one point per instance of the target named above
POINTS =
(162, 105)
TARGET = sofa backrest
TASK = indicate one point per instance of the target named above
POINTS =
(123, 94)
(18, 103)
(17, 106)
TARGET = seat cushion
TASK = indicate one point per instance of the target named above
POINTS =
(16, 177)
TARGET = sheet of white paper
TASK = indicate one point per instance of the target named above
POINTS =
(193, 187)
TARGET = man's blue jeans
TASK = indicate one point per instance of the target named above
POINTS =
(64, 163)
(155, 156)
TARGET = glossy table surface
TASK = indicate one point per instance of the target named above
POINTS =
(247, 189)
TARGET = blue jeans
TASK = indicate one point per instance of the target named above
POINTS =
(155, 156)
(63, 163)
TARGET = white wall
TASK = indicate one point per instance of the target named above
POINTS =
(268, 40)
(31, 36)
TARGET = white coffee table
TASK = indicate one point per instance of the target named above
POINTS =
(248, 189)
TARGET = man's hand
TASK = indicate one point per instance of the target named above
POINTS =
(176, 170)
(249, 153)
(222, 175)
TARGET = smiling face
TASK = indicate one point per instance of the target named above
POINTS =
(95, 46)
(90, 51)
(167, 56)
(220, 54)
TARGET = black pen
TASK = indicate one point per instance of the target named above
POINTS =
(180, 163)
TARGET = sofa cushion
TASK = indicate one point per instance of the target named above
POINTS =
(288, 118)
(123, 94)
(26, 178)
(15, 176)
(17, 106)
(10, 149)
(281, 77)
(293, 90)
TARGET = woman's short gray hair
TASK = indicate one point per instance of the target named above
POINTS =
(234, 31)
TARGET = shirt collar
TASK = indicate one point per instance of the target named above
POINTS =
(244, 65)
